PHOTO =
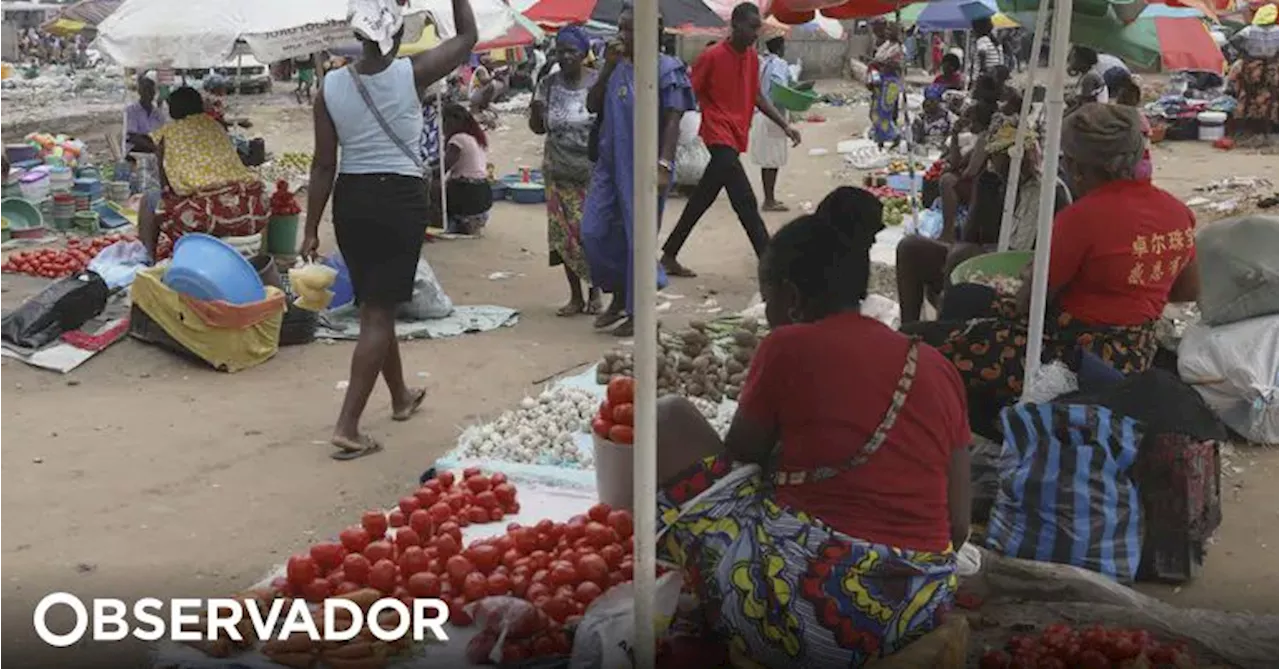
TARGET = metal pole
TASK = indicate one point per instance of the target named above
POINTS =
(1024, 126)
(1055, 104)
(440, 146)
(644, 290)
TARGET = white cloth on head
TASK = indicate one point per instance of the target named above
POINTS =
(377, 21)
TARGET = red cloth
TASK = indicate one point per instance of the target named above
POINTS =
(825, 387)
(726, 83)
(953, 82)
(1117, 251)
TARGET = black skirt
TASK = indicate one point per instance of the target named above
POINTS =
(380, 221)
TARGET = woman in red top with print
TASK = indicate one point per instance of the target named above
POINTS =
(1121, 252)
(820, 532)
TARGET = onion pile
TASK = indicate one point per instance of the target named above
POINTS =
(707, 360)
(719, 415)
(540, 432)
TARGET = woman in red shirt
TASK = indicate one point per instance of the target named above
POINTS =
(1121, 252)
(820, 532)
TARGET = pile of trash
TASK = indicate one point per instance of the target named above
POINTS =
(57, 90)
(1231, 196)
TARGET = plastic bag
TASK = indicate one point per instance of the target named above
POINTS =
(1235, 369)
(606, 634)
(1066, 493)
(311, 283)
(512, 629)
(119, 263)
(62, 306)
(429, 299)
(1239, 277)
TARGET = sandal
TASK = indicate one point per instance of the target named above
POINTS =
(775, 206)
(626, 329)
(571, 309)
(405, 414)
(608, 319)
(674, 268)
(352, 449)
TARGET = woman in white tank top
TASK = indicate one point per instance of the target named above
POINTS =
(372, 110)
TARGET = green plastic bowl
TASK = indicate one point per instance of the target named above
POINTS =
(1005, 263)
(792, 99)
(24, 218)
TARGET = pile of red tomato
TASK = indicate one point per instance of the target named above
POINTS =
(283, 202)
(617, 417)
(428, 531)
(57, 263)
(1096, 647)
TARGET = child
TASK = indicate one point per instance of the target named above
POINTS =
(469, 196)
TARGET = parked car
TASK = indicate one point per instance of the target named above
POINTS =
(251, 77)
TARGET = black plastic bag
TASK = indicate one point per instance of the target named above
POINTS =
(61, 307)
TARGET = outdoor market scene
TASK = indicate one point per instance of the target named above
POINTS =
(973, 360)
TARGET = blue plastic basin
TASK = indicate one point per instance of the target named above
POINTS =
(343, 292)
(207, 268)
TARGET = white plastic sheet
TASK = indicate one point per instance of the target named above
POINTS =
(1236, 370)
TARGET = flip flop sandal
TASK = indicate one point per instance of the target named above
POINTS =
(571, 310)
(413, 407)
(608, 319)
(351, 450)
(680, 271)
(776, 206)
(626, 329)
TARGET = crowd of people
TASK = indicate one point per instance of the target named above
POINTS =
(41, 48)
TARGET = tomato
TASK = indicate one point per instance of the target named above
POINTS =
(426, 497)
(498, 478)
(587, 591)
(1051, 663)
(512, 508)
(379, 550)
(477, 515)
(526, 539)
(354, 539)
(624, 414)
(1121, 649)
(543, 646)
(439, 512)
(1094, 659)
(317, 590)
(597, 512)
(451, 529)
(423, 584)
(536, 591)
(514, 651)
(599, 535)
(456, 501)
(458, 614)
(519, 585)
(621, 390)
(593, 568)
(446, 545)
(396, 518)
(484, 556)
(540, 559)
(487, 499)
(335, 577)
(601, 427)
(495, 515)
(622, 434)
(1141, 639)
(409, 504)
(420, 522)
(383, 576)
(475, 586)
(301, 570)
(621, 522)
(563, 572)
(457, 567)
(478, 484)
(499, 585)
(406, 537)
(413, 560)
(628, 570)
(327, 556)
(445, 479)
(558, 608)
(356, 567)
(612, 555)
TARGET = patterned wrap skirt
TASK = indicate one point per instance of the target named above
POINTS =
(785, 589)
(234, 210)
(564, 226)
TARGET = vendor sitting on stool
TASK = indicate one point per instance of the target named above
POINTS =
(206, 187)
(821, 532)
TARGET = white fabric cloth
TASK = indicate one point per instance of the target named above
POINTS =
(377, 21)
(1107, 62)
(768, 145)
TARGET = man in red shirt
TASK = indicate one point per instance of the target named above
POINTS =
(726, 80)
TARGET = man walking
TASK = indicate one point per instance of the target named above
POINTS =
(987, 49)
(726, 80)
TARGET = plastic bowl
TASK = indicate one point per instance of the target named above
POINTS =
(527, 193)
(207, 268)
(792, 99)
(499, 190)
(343, 292)
(1005, 263)
(25, 219)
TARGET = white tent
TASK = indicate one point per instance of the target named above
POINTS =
(149, 33)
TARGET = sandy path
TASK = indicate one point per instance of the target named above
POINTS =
(141, 474)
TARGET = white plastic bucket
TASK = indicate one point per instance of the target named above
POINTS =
(614, 472)
(247, 246)
(1211, 133)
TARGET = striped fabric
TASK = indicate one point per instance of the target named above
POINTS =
(1065, 490)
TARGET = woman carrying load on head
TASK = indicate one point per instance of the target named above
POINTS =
(373, 110)
(559, 111)
(1119, 254)
(888, 63)
(205, 187)
(1255, 78)
(821, 533)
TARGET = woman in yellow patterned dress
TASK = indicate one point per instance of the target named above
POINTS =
(206, 187)
(819, 533)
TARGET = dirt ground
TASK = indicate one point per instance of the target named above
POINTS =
(142, 474)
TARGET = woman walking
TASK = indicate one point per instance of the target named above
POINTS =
(373, 110)
(1255, 75)
(887, 87)
(559, 111)
(607, 228)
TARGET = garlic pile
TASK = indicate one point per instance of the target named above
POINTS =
(718, 414)
(708, 360)
(540, 432)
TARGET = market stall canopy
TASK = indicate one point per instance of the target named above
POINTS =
(677, 15)
(89, 13)
(1124, 11)
(949, 15)
(521, 31)
(829, 27)
(799, 12)
(1161, 38)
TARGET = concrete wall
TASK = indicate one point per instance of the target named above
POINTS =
(820, 56)
(9, 42)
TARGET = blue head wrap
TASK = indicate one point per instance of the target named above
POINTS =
(934, 92)
(576, 37)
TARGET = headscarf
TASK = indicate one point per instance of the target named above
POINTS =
(1266, 15)
(377, 21)
(1107, 137)
(934, 92)
(576, 37)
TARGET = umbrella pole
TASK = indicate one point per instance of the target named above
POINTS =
(644, 291)
(1055, 104)
(1024, 127)
(440, 144)
(911, 159)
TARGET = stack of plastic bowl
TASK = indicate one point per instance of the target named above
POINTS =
(60, 179)
(206, 268)
(118, 191)
(64, 210)
(17, 153)
(89, 192)
(86, 222)
(34, 186)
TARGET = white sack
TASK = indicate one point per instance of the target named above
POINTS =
(1235, 369)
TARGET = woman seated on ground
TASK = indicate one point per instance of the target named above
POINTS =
(950, 78)
(832, 545)
(205, 186)
(932, 127)
(466, 164)
(1119, 254)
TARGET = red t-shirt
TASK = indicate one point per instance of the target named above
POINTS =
(726, 83)
(1117, 251)
(825, 387)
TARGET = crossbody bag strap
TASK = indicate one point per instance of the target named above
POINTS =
(781, 478)
(382, 122)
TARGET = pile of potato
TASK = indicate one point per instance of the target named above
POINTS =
(707, 360)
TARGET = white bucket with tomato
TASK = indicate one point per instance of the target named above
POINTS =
(613, 433)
